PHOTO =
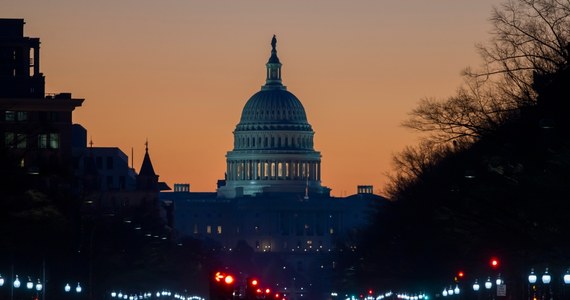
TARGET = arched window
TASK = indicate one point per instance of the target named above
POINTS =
(272, 169)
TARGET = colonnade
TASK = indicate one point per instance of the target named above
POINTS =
(272, 141)
(274, 170)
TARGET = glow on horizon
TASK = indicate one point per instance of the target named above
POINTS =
(179, 73)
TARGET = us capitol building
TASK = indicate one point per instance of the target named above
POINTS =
(271, 217)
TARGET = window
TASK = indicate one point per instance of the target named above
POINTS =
(219, 229)
(109, 162)
(195, 228)
(48, 141)
(54, 140)
(22, 116)
(99, 162)
(10, 115)
(15, 140)
(109, 182)
(209, 229)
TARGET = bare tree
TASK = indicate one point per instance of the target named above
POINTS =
(477, 109)
(411, 164)
(528, 37)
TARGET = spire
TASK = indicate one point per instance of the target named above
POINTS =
(273, 80)
(146, 168)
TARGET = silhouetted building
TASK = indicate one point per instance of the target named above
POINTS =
(108, 184)
(272, 203)
(35, 128)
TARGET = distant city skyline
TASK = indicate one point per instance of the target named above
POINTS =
(180, 72)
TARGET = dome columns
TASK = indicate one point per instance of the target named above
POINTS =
(274, 169)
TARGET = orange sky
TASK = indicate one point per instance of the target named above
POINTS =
(180, 71)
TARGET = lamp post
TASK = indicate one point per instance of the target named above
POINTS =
(476, 288)
(488, 286)
(566, 279)
(531, 284)
(546, 278)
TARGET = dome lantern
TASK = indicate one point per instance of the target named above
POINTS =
(273, 80)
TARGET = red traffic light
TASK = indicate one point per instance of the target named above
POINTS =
(369, 292)
(229, 279)
(460, 274)
(494, 262)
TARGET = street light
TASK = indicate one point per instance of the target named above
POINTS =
(546, 278)
(39, 286)
(456, 290)
(67, 288)
(488, 283)
(499, 281)
(566, 277)
(78, 288)
(29, 284)
(476, 286)
(17, 282)
(450, 291)
(532, 277)
(1, 281)
(444, 293)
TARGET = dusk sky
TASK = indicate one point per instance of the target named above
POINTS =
(179, 72)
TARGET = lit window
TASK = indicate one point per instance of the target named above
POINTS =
(48, 140)
(331, 231)
(22, 116)
(42, 141)
(9, 138)
(10, 115)
(209, 229)
(195, 228)
(21, 141)
(219, 229)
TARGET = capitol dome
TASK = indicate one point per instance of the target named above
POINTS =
(273, 144)
(273, 106)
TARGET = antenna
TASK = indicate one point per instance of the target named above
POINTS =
(132, 158)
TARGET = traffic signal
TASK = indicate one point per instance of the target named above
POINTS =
(222, 286)
(494, 262)
(459, 276)
(252, 290)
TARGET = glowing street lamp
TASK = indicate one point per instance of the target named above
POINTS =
(532, 277)
(566, 277)
(546, 278)
(78, 288)
(39, 286)
(476, 286)
(67, 288)
(1, 281)
(488, 283)
(17, 282)
(29, 284)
